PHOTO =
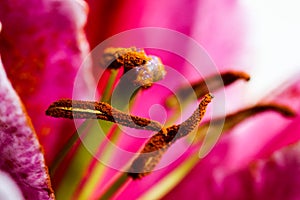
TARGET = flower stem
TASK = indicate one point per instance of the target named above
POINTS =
(95, 170)
(115, 187)
(204, 86)
(98, 169)
(166, 184)
(66, 149)
(110, 85)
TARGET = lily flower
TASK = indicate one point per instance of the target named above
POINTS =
(46, 50)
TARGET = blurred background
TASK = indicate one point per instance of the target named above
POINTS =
(274, 30)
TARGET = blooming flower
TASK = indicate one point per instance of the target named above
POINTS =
(47, 59)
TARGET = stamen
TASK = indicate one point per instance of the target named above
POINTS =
(124, 57)
(158, 144)
(234, 119)
(146, 69)
(74, 109)
(149, 73)
(210, 84)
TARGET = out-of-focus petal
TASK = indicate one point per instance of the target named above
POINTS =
(268, 132)
(272, 178)
(221, 31)
(9, 190)
(276, 177)
(258, 138)
(218, 26)
(42, 44)
(20, 153)
(134, 14)
(288, 94)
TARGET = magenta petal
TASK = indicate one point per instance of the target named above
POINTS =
(267, 132)
(274, 178)
(288, 134)
(20, 152)
(134, 14)
(278, 177)
(42, 45)
(257, 138)
(218, 26)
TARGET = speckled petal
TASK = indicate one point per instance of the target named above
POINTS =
(20, 153)
(42, 45)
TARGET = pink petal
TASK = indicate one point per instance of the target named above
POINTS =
(134, 14)
(288, 95)
(20, 153)
(269, 132)
(42, 47)
(278, 177)
(218, 26)
(257, 138)
(273, 178)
